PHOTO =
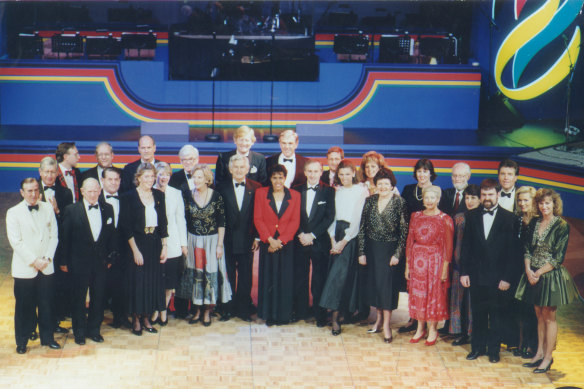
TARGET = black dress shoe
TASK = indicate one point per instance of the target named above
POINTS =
(163, 323)
(21, 349)
(80, 341)
(137, 332)
(225, 317)
(61, 330)
(207, 323)
(460, 341)
(494, 358)
(533, 364)
(245, 317)
(52, 344)
(545, 369)
(410, 328)
(34, 336)
(321, 323)
(152, 330)
(97, 338)
(336, 332)
(527, 354)
(474, 354)
(193, 320)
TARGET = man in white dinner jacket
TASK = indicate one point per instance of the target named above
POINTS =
(32, 232)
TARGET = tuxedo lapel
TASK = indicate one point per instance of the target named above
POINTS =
(84, 219)
(496, 225)
(315, 201)
(27, 215)
(247, 194)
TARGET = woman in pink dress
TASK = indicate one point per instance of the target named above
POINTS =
(428, 254)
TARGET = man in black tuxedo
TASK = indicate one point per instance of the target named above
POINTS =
(244, 138)
(146, 149)
(89, 247)
(68, 176)
(508, 172)
(452, 201)
(490, 266)
(334, 156)
(293, 162)
(317, 212)
(104, 154)
(189, 157)
(111, 179)
(238, 197)
(59, 197)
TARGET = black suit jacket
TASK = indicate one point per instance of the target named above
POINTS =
(239, 228)
(447, 202)
(128, 175)
(488, 261)
(178, 179)
(90, 173)
(133, 214)
(63, 196)
(81, 253)
(61, 181)
(326, 177)
(321, 215)
(257, 168)
(299, 176)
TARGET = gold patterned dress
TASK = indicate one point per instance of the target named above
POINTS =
(555, 287)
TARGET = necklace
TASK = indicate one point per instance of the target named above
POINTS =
(419, 198)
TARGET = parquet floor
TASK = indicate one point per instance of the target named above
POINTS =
(237, 354)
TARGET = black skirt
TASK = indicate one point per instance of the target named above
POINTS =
(145, 293)
(341, 292)
(382, 291)
(276, 283)
(172, 270)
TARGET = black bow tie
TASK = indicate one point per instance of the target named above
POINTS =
(94, 206)
(112, 196)
(48, 187)
(490, 212)
(239, 184)
(505, 194)
(189, 175)
(314, 188)
(288, 160)
(33, 207)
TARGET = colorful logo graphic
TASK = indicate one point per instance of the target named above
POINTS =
(529, 37)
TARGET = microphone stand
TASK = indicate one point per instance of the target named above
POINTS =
(212, 137)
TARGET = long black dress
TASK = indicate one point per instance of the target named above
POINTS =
(381, 236)
(145, 286)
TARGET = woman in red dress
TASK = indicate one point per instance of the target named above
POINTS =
(428, 253)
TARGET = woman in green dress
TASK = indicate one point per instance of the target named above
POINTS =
(546, 283)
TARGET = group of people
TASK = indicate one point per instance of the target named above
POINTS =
(486, 259)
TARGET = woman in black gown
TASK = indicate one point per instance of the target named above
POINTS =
(382, 240)
(143, 224)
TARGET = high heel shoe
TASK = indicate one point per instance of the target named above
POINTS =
(545, 369)
(374, 330)
(336, 332)
(163, 323)
(194, 320)
(431, 343)
(416, 340)
(533, 364)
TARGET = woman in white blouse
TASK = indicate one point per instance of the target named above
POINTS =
(177, 237)
(340, 293)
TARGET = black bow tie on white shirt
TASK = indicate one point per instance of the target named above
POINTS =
(314, 188)
(288, 160)
(505, 194)
(490, 212)
(239, 184)
(33, 207)
(48, 187)
(94, 206)
(110, 196)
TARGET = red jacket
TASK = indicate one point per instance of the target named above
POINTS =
(266, 219)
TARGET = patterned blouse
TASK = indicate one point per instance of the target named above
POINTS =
(549, 246)
(388, 226)
(204, 220)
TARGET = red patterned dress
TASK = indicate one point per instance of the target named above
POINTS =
(429, 245)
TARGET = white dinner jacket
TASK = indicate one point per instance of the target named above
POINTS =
(31, 240)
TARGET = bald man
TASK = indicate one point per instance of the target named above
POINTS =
(89, 247)
(146, 149)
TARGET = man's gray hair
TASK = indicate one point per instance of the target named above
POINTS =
(188, 150)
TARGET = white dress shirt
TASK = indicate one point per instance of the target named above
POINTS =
(68, 180)
(290, 168)
(151, 216)
(488, 221)
(507, 202)
(310, 198)
(94, 217)
(239, 192)
(115, 203)
(49, 192)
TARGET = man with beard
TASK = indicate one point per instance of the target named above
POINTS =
(490, 265)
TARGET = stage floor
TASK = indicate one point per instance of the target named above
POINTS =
(237, 354)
